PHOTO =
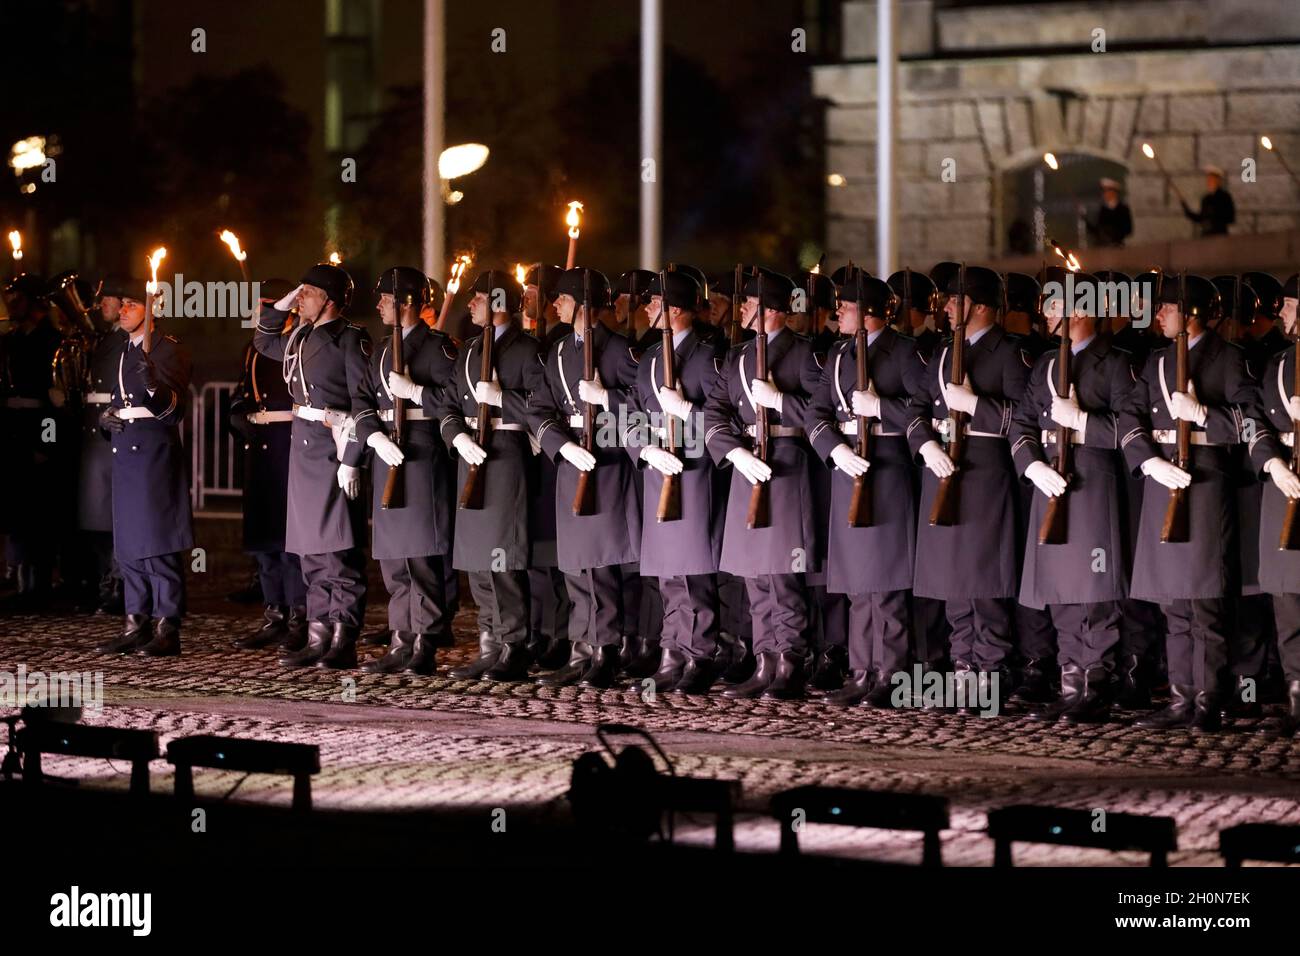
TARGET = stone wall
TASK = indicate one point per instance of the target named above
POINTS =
(991, 115)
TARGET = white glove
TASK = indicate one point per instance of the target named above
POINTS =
(1283, 477)
(593, 393)
(1067, 413)
(960, 398)
(866, 404)
(1293, 407)
(847, 460)
(1166, 472)
(286, 303)
(1045, 478)
(488, 393)
(1185, 407)
(661, 460)
(675, 404)
(577, 456)
(349, 479)
(469, 449)
(749, 465)
(385, 448)
(766, 394)
(937, 460)
(402, 387)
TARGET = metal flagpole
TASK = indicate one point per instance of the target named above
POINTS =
(435, 88)
(886, 135)
(652, 88)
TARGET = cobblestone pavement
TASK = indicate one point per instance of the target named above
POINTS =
(407, 741)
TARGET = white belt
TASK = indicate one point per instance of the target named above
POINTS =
(850, 427)
(266, 418)
(412, 415)
(496, 425)
(134, 411)
(1049, 437)
(330, 416)
(578, 421)
(18, 402)
(1169, 436)
(775, 431)
(99, 398)
(942, 425)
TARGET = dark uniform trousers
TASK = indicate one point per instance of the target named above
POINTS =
(599, 614)
(778, 605)
(336, 586)
(550, 606)
(879, 626)
(280, 574)
(154, 586)
(1197, 640)
(691, 618)
(1087, 634)
(416, 594)
(981, 631)
(930, 622)
(1286, 611)
(733, 602)
(503, 603)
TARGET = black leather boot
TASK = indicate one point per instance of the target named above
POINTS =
(764, 672)
(788, 681)
(400, 646)
(572, 671)
(1207, 712)
(1237, 707)
(1179, 713)
(489, 649)
(1093, 705)
(512, 665)
(854, 691)
(672, 663)
(555, 653)
(1035, 685)
(295, 626)
(318, 644)
(1134, 688)
(741, 668)
(829, 668)
(602, 672)
(342, 654)
(1071, 690)
(882, 693)
(137, 633)
(644, 659)
(272, 631)
(166, 638)
(698, 676)
(424, 655)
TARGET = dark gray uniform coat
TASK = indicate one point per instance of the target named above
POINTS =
(95, 471)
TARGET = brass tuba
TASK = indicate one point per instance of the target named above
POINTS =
(71, 361)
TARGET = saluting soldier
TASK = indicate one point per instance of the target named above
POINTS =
(261, 414)
(592, 545)
(492, 542)
(970, 564)
(869, 562)
(413, 534)
(773, 558)
(152, 523)
(325, 358)
(1079, 576)
(1279, 561)
(1194, 580)
(681, 551)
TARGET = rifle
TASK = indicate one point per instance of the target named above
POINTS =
(670, 493)
(736, 296)
(539, 325)
(860, 500)
(393, 497)
(584, 496)
(760, 498)
(1175, 529)
(1055, 526)
(947, 500)
(471, 496)
(1290, 540)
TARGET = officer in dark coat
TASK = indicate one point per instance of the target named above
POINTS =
(872, 563)
(28, 477)
(492, 542)
(971, 565)
(771, 559)
(593, 545)
(1279, 561)
(413, 535)
(1217, 211)
(95, 465)
(261, 414)
(152, 523)
(1081, 578)
(1113, 222)
(1193, 580)
(325, 358)
(683, 551)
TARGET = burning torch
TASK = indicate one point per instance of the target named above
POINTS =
(241, 255)
(453, 286)
(16, 243)
(1268, 145)
(573, 220)
(150, 293)
(1151, 154)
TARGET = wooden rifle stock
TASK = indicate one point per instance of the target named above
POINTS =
(1175, 529)
(946, 508)
(1055, 528)
(393, 485)
(584, 496)
(736, 297)
(471, 496)
(760, 498)
(1290, 540)
(670, 492)
(860, 499)
(539, 324)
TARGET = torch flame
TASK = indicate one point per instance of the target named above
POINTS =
(1266, 142)
(458, 272)
(155, 258)
(572, 219)
(1071, 260)
(232, 240)
(1050, 160)
(816, 270)
(520, 273)
(16, 241)
(1148, 151)
(335, 259)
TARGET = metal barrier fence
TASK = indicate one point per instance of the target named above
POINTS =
(217, 460)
